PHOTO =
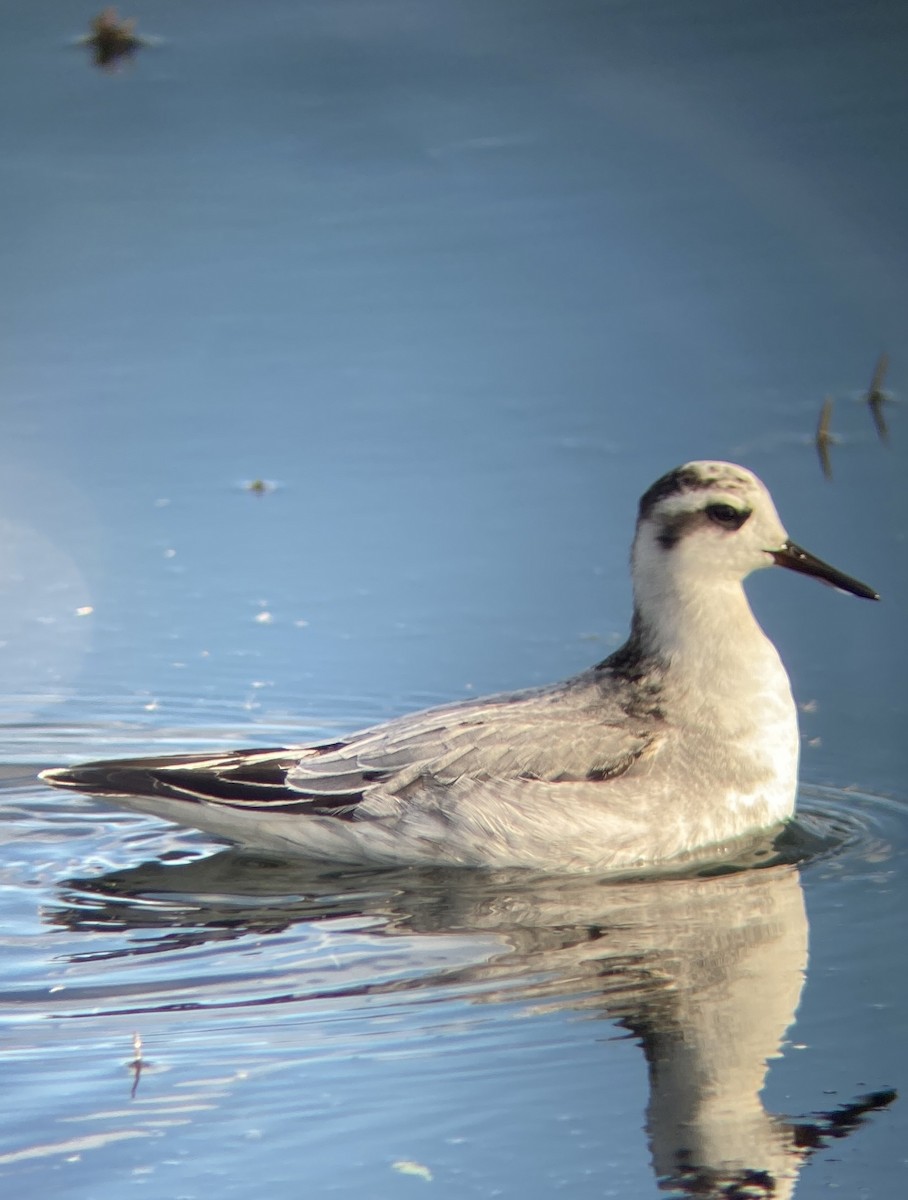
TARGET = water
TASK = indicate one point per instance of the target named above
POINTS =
(460, 280)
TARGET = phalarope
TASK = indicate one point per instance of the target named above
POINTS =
(684, 739)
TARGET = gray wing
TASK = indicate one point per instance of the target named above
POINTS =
(554, 735)
(571, 733)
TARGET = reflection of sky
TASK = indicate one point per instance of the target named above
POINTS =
(463, 280)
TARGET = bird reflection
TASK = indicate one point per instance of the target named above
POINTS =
(706, 972)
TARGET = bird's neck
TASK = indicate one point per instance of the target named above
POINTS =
(708, 640)
(679, 622)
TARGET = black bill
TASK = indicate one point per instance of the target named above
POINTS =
(796, 559)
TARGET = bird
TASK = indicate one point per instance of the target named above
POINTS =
(876, 397)
(679, 744)
(824, 438)
(113, 39)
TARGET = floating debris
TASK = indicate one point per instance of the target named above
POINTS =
(406, 1166)
(259, 487)
(876, 397)
(137, 1063)
(824, 438)
(112, 39)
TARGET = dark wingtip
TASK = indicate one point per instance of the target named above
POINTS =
(56, 777)
(86, 778)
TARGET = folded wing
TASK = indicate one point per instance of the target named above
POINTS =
(551, 735)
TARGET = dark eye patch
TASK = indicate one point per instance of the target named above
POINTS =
(727, 515)
(674, 527)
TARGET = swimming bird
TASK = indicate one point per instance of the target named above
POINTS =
(683, 740)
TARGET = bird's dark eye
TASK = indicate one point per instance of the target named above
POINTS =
(727, 516)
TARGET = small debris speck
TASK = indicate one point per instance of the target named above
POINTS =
(406, 1166)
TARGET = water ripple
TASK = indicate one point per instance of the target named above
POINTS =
(190, 930)
(862, 826)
